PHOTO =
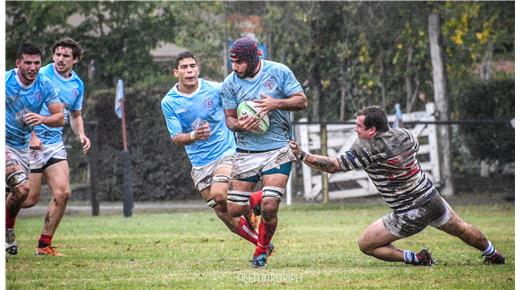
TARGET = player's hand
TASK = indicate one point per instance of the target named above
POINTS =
(297, 151)
(266, 104)
(85, 141)
(33, 119)
(248, 123)
(35, 143)
(202, 132)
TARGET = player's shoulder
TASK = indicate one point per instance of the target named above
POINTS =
(10, 73)
(77, 78)
(170, 96)
(47, 70)
(275, 66)
(207, 84)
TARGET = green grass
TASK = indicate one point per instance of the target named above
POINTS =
(316, 248)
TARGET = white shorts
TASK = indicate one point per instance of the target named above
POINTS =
(15, 156)
(255, 164)
(50, 154)
(202, 175)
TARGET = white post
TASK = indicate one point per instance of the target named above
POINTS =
(304, 144)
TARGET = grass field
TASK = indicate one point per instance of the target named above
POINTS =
(316, 248)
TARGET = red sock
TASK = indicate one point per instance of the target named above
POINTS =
(45, 241)
(265, 234)
(9, 221)
(246, 231)
(255, 199)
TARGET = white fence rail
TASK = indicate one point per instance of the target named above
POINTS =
(356, 183)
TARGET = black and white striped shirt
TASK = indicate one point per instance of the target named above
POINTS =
(390, 161)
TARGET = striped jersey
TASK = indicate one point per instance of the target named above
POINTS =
(390, 161)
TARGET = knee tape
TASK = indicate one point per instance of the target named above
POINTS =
(220, 178)
(211, 203)
(16, 178)
(238, 197)
(273, 191)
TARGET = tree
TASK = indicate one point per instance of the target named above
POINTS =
(441, 99)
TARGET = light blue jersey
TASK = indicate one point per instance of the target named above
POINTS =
(20, 100)
(70, 91)
(184, 113)
(275, 80)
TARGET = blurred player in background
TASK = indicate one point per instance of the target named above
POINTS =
(26, 92)
(267, 157)
(388, 156)
(48, 154)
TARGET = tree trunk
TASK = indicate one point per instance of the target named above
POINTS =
(412, 86)
(382, 80)
(343, 92)
(441, 100)
(315, 80)
(487, 64)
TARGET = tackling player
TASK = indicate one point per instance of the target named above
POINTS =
(388, 156)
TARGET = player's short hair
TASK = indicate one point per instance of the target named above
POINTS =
(375, 117)
(181, 56)
(77, 51)
(27, 49)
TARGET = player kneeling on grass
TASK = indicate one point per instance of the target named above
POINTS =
(388, 156)
(195, 119)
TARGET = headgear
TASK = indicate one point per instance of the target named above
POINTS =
(246, 49)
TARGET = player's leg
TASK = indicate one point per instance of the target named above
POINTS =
(274, 183)
(35, 181)
(472, 236)
(238, 205)
(376, 241)
(16, 177)
(37, 161)
(57, 175)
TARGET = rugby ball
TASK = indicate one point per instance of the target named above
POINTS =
(248, 108)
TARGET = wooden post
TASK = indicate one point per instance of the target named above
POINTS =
(93, 158)
(324, 175)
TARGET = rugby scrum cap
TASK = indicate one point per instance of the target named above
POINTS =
(245, 49)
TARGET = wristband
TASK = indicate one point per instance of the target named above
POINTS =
(302, 155)
(192, 136)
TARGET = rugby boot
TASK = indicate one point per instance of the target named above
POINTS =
(425, 258)
(495, 258)
(10, 242)
(259, 261)
(48, 251)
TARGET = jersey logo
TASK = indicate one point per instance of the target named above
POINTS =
(208, 103)
(269, 84)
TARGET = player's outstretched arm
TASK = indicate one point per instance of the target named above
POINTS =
(319, 162)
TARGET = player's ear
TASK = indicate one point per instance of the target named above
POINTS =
(175, 72)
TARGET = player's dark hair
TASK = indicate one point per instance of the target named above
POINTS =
(183, 55)
(375, 117)
(27, 49)
(77, 51)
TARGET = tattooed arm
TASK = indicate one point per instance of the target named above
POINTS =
(319, 162)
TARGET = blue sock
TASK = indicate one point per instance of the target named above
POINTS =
(490, 250)
(409, 257)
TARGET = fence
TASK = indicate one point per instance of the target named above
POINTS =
(337, 138)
